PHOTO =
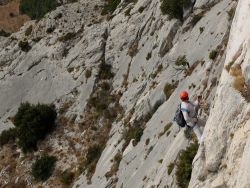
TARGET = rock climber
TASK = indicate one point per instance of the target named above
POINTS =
(190, 110)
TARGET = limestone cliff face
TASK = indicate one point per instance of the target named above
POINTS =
(141, 45)
(223, 160)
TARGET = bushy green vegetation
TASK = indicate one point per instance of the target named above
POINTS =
(67, 37)
(188, 133)
(93, 154)
(88, 73)
(184, 165)
(181, 61)
(170, 168)
(158, 70)
(213, 54)
(110, 6)
(231, 13)
(141, 9)
(28, 31)
(7, 136)
(4, 34)
(24, 45)
(43, 167)
(33, 123)
(105, 71)
(37, 9)
(133, 133)
(174, 8)
(67, 177)
(116, 162)
(149, 55)
(195, 19)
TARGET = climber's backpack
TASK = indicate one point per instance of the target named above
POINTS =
(179, 118)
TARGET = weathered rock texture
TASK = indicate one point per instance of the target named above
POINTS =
(141, 47)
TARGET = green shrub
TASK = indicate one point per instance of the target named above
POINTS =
(133, 49)
(50, 29)
(184, 165)
(110, 6)
(195, 19)
(28, 30)
(127, 12)
(67, 37)
(231, 13)
(93, 154)
(33, 123)
(88, 73)
(4, 33)
(43, 167)
(188, 132)
(201, 29)
(37, 9)
(181, 61)
(174, 8)
(67, 177)
(24, 45)
(213, 54)
(170, 168)
(149, 55)
(158, 70)
(7, 136)
(149, 151)
(135, 132)
(169, 89)
(105, 71)
(141, 9)
(114, 168)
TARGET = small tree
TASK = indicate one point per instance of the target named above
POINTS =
(43, 167)
(7, 136)
(24, 45)
(170, 167)
(174, 8)
(33, 123)
(4, 33)
(67, 177)
(213, 54)
(110, 6)
(184, 165)
(105, 71)
(37, 9)
(182, 61)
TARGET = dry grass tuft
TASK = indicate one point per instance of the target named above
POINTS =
(239, 82)
(132, 51)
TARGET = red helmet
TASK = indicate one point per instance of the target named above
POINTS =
(183, 95)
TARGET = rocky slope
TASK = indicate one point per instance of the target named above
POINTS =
(63, 64)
